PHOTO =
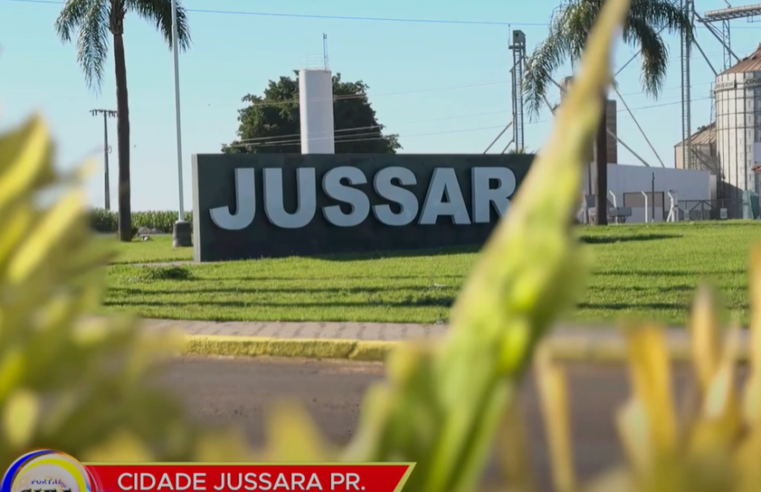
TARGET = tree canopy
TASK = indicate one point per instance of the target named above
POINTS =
(271, 124)
(569, 29)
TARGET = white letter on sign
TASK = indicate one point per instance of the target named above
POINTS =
(382, 183)
(274, 204)
(444, 184)
(245, 203)
(483, 196)
(335, 189)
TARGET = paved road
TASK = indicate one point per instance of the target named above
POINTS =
(238, 392)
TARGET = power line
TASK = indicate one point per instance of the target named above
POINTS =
(373, 127)
(353, 18)
(351, 138)
(344, 97)
(363, 95)
(330, 17)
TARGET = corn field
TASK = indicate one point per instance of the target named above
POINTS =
(106, 221)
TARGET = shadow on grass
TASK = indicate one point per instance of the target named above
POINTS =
(443, 301)
(410, 253)
(655, 306)
(640, 288)
(638, 306)
(283, 290)
(317, 278)
(667, 273)
(608, 239)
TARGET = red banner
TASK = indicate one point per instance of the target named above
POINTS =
(189, 477)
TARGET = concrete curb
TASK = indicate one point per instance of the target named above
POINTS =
(605, 349)
(309, 348)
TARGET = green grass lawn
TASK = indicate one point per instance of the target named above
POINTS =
(640, 271)
(158, 249)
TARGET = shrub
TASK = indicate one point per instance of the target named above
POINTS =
(107, 220)
(164, 273)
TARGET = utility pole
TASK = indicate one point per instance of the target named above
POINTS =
(601, 164)
(107, 113)
(686, 50)
(325, 62)
(518, 47)
(182, 231)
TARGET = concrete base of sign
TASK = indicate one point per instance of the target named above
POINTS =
(182, 234)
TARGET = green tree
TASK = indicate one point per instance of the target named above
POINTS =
(271, 124)
(92, 21)
(569, 29)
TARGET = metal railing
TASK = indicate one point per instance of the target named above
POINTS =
(721, 209)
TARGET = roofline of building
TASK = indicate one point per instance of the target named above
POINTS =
(700, 132)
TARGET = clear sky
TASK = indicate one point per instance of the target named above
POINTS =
(443, 87)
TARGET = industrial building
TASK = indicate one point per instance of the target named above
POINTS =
(729, 147)
(703, 148)
(645, 193)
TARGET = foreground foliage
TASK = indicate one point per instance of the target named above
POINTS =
(441, 405)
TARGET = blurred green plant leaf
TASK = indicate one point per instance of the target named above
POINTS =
(441, 406)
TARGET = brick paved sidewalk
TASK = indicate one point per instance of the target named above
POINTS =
(594, 339)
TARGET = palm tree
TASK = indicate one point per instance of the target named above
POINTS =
(569, 29)
(93, 20)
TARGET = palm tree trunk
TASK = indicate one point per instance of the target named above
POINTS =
(601, 164)
(122, 134)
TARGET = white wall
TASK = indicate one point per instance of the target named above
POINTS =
(316, 111)
(689, 185)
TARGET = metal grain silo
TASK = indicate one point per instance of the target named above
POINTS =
(316, 111)
(737, 94)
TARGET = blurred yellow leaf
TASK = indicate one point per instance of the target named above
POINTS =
(651, 378)
(514, 450)
(752, 395)
(20, 413)
(222, 445)
(634, 430)
(293, 436)
(555, 409)
(45, 237)
(616, 480)
(705, 336)
(122, 446)
(24, 160)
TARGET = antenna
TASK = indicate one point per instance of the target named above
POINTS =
(325, 51)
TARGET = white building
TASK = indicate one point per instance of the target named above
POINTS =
(737, 95)
(628, 183)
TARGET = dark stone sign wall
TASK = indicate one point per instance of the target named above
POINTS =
(274, 205)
